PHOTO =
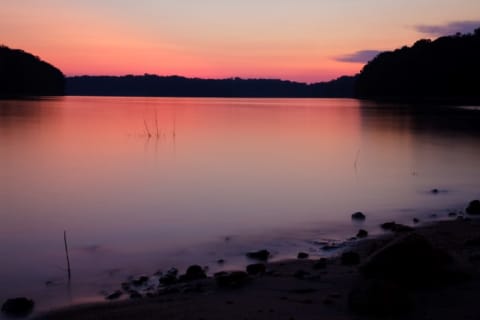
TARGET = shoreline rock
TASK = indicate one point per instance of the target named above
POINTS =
(360, 216)
(261, 255)
(19, 307)
(473, 207)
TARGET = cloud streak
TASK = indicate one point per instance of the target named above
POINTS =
(361, 56)
(448, 28)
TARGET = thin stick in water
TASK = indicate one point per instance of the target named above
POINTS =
(156, 124)
(146, 129)
(355, 162)
(68, 259)
(174, 131)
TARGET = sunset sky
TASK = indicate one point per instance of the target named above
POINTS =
(303, 40)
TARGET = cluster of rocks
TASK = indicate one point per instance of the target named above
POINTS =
(388, 275)
(172, 282)
(391, 274)
(145, 286)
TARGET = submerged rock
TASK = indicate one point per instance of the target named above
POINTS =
(302, 255)
(256, 268)
(262, 255)
(114, 296)
(362, 233)
(395, 227)
(140, 281)
(473, 208)
(358, 216)
(333, 246)
(350, 258)
(18, 307)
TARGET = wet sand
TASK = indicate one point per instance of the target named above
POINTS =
(307, 289)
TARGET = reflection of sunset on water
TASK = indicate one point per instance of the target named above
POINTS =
(135, 179)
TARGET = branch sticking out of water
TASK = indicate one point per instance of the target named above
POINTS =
(174, 131)
(355, 162)
(149, 134)
(156, 124)
(69, 271)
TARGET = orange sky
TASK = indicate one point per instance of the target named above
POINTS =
(300, 40)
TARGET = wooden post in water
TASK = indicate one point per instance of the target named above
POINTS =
(66, 252)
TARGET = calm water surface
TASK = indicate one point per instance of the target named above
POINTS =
(142, 184)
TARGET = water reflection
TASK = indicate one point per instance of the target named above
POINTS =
(211, 168)
(443, 120)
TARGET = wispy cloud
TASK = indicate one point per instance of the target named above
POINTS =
(448, 28)
(361, 56)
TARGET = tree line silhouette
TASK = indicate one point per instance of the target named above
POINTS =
(176, 86)
(447, 68)
(23, 74)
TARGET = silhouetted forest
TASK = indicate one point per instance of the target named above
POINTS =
(22, 74)
(447, 68)
(175, 86)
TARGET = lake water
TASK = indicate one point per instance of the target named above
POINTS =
(142, 184)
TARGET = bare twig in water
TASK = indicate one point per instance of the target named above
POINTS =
(156, 124)
(174, 133)
(355, 163)
(66, 253)
(149, 134)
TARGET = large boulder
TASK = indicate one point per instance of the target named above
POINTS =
(379, 298)
(350, 258)
(409, 259)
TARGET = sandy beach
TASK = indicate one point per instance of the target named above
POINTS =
(430, 272)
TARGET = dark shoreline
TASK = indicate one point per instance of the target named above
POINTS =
(305, 289)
